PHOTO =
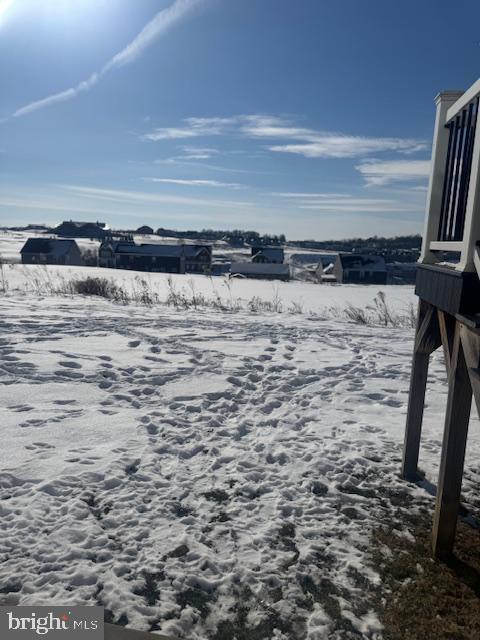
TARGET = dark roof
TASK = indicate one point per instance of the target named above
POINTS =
(47, 245)
(272, 252)
(158, 250)
(255, 268)
(368, 263)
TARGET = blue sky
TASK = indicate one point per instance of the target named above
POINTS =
(308, 117)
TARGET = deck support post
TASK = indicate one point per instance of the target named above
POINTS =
(427, 339)
(453, 450)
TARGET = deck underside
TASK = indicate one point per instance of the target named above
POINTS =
(454, 292)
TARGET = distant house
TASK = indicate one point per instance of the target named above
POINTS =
(220, 268)
(145, 230)
(313, 257)
(360, 269)
(402, 272)
(51, 251)
(264, 271)
(71, 229)
(272, 255)
(166, 258)
(198, 258)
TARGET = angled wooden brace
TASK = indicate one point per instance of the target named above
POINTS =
(446, 323)
(427, 340)
(471, 347)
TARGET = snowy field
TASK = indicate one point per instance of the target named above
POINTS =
(309, 297)
(207, 474)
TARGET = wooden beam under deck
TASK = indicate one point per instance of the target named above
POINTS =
(453, 451)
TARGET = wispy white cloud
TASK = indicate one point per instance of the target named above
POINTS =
(177, 161)
(123, 195)
(268, 126)
(307, 194)
(159, 24)
(68, 94)
(253, 125)
(194, 128)
(197, 153)
(341, 202)
(379, 174)
(192, 156)
(291, 139)
(343, 146)
(319, 144)
(360, 205)
(171, 133)
(196, 183)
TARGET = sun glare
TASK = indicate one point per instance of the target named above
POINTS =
(4, 6)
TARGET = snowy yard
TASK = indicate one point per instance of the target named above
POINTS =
(206, 473)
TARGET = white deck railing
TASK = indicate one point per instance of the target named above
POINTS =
(452, 221)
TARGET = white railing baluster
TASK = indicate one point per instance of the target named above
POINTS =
(471, 233)
(443, 101)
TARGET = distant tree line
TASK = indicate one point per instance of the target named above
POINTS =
(397, 249)
(236, 238)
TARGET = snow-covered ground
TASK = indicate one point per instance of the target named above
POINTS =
(310, 297)
(199, 471)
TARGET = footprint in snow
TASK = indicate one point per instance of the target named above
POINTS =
(20, 407)
(70, 364)
(68, 374)
(39, 445)
(375, 396)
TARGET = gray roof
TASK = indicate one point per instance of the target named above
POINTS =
(158, 250)
(275, 253)
(260, 268)
(50, 246)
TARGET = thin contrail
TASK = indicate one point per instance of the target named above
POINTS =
(159, 24)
